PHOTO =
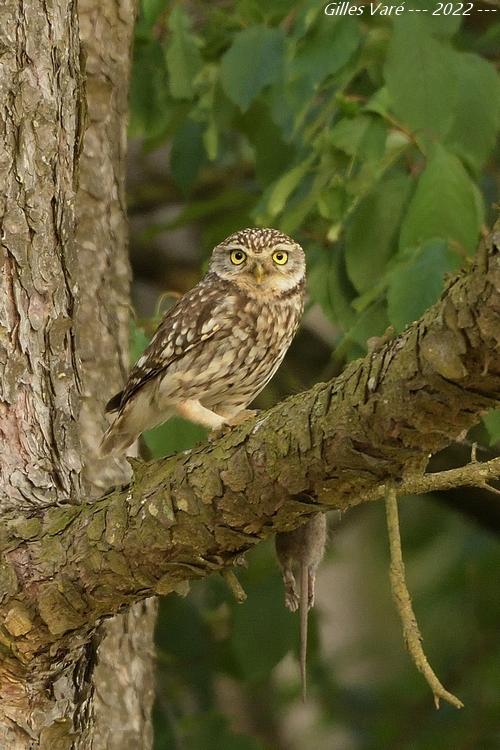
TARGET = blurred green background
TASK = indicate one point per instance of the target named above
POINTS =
(374, 142)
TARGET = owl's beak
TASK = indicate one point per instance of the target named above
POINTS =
(258, 272)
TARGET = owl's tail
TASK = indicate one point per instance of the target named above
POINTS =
(136, 417)
(118, 437)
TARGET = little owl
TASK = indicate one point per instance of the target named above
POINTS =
(219, 345)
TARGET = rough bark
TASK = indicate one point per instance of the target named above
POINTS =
(124, 680)
(41, 100)
(123, 676)
(63, 333)
(331, 447)
(41, 124)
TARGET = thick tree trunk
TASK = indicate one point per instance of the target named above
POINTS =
(41, 99)
(124, 672)
(41, 96)
(63, 336)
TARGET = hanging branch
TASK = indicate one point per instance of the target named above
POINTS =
(402, 600)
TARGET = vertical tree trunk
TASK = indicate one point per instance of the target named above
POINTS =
(124, 673)
(63, 341)
(41, 96)
(40, 128)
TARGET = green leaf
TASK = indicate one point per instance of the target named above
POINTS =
(290, 101)
(187, 155)
(277, 10)
(285, 186)
(379, 103)
(372, 234)
(253, 61)
(373, 321)
(318, 274)
(304, 201)
(444, 205)
(416, 285)
(272, 154)
(439, 25)
(341, 292)
(151, 11)
(348, 133)
(327, 50)
(211, 139)
(477, 114)
(492, 423)
(182, 55)
(333, 203)
(421, 77)
(361, 136)
(148, 89)
(329, 286)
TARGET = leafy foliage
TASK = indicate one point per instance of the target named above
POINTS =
(372, 141)
(424, 270)
(367, 133)
(252, 62)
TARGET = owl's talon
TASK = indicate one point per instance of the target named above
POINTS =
(231, 423)
(218, 432)
(242, 416)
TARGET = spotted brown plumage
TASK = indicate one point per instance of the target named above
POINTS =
(219, 345)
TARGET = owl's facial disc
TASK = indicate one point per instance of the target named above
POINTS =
(264, 261)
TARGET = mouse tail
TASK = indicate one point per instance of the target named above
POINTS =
(304, 616)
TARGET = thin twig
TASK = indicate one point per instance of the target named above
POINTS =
(473, 454)
(490, 488)
(402, 599)
(474, 474)
(234, 585)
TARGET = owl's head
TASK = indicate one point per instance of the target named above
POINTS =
(260, 260)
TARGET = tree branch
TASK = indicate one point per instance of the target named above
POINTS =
(474, 474)
(402, 600)
(333, 446)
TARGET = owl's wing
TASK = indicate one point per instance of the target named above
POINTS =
(194, 319)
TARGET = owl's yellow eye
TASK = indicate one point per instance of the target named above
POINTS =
(280, 257)
(238, 257)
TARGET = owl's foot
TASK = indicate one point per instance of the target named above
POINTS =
(242, 416)
(192, 410)
(232, 422)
